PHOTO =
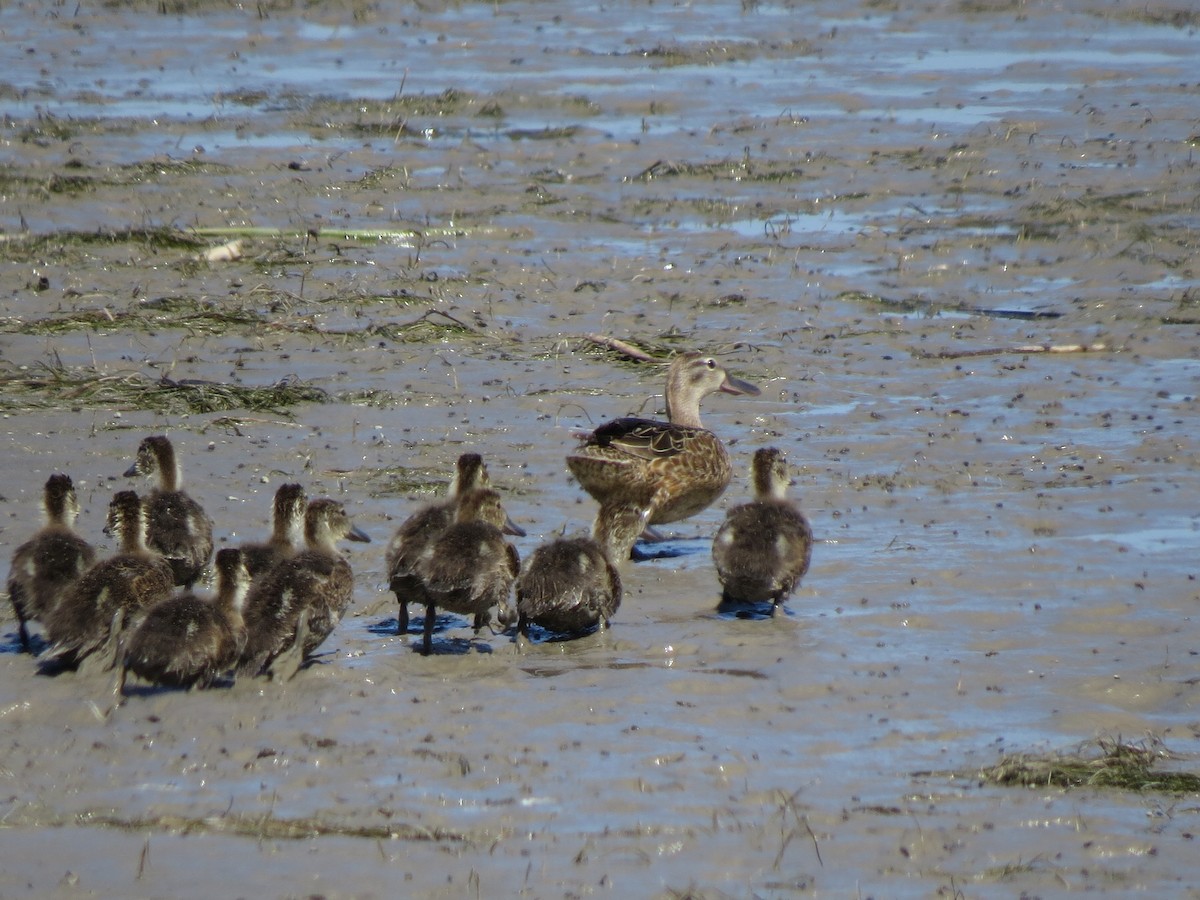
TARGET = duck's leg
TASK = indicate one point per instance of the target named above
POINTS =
(284, 666)
(402, 617)
(430, 621)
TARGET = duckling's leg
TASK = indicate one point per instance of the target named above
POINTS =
(430, 621)
(288, 663)
(402, 617)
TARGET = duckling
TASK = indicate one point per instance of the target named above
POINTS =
(424, 527)
(645, 472)
(287, 518)
(47, 564)
(568, 586)
(470, 568)
(176, 525)
(764, 547)
(298, 603)
(189, 641)
(92, 614)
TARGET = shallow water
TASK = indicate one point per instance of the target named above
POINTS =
(831, 197)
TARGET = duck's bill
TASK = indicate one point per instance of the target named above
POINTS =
(357, 534)
(511, 527)
(737, 386)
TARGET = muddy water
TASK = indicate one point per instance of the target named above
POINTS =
(867, 211)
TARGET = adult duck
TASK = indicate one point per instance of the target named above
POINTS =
(287, 524)
(176, 525)
(97, 608)
(470, 568)
(764, 547)
(188, 640)
(646, 472)
(422, 528)
(297, 604)
(46, 565)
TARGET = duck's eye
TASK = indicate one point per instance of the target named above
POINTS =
(711, 363)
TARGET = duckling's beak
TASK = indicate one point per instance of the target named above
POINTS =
(133, 470)
(511, 527)
(737, 386)
(357, 534)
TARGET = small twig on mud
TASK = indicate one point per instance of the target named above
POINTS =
(816, 846)
(1022, 348)
(620, 346)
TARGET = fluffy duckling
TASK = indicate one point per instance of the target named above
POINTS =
(424, 527)
(47, 564)
(176, 525)
(287, 519)
(189, 641)
(470, 568)
(568, 586)
(763, 548)
(298, 603)
(645, 472)
(91, 615)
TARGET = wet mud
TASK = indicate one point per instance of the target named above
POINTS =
(955, 247)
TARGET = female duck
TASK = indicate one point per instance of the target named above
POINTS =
(296, 605)
(764, 547)
(424, 527)
(645, 472)
(470, 568)
(287, 519)
(176, 525)
(190, 641)
(47, 564)
(93, 613)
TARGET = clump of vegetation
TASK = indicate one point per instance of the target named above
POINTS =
(55, 387)
(1104, 763)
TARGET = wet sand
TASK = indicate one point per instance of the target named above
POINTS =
(885, 219)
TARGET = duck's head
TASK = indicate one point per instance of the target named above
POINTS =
(60, 500)
(326, 523)
(769, 474)
(483, 505)
(692, 377)
(155, 456)
(125, 516)
(470, 473)
(290, 506)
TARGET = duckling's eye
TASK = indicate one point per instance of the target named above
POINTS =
(711, 363)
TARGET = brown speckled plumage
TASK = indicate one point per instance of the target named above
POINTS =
(287, 524)
(764, 547)
(424, 527)
(45, 566)
(646, 472)
(470, 568)
(176, 525)
(111, 593)
(188, 640)
(315, 585)
(568, 586)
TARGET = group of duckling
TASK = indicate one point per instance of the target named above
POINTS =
(275, 603)
(136, 611)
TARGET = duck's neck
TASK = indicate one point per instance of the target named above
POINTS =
(231, 597)
(318, 537)
(169, 476)
(133, 536)
(683, 409)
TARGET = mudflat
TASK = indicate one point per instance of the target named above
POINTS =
(956, 249)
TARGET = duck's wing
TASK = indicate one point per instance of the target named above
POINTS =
(644, 438)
